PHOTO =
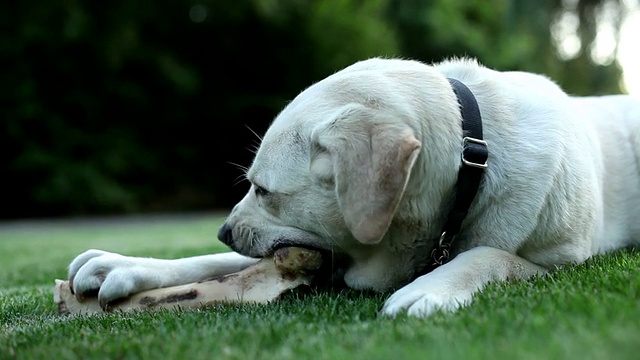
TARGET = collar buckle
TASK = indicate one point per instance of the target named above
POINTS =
(475, 152)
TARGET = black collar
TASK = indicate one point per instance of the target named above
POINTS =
(474, 160)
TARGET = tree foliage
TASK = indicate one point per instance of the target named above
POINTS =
(131, 106)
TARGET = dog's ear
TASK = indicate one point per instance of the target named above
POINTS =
(368, 159)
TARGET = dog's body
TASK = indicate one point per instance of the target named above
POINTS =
(364, 164)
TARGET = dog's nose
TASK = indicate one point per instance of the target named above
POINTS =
(225, 235)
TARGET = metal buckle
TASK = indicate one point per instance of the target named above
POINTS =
(466, 140)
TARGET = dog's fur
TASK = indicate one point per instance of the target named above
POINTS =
(364, 162)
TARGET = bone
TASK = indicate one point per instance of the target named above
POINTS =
(264, 282)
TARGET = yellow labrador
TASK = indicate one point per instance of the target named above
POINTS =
(365, 164)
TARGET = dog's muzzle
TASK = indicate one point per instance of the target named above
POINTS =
(225, 234)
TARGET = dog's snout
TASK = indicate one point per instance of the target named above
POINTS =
(225, 234)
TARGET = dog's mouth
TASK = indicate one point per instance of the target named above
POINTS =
(279, 244)
(334, 262)
(328, 252)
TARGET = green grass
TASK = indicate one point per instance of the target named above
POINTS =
(591, 311)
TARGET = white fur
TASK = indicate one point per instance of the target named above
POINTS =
(118, 276)
(364, 162)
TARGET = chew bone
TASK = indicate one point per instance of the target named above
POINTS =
(263, 282)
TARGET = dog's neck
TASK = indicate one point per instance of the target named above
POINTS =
(474, 158)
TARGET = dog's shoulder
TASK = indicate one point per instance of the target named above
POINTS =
(470, 70)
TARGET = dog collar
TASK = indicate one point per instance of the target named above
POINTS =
(474, 161)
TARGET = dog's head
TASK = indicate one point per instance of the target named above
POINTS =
(333, 171)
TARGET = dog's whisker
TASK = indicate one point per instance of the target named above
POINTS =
(252, 238)
(243, 168)
(254, 133)
(333, 240)
(238, 180)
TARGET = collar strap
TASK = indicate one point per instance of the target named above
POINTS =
(474, 160)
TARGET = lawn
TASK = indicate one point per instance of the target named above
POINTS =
(591, 311)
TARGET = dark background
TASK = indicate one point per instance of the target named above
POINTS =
(144, 106)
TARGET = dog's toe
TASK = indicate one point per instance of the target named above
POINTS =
(425, 296)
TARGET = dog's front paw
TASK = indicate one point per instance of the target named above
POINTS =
(425, 296)
(109, 275)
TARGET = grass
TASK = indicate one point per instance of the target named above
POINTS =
(590, 311)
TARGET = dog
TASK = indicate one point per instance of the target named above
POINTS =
(366, 163)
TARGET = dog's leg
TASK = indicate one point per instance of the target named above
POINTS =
(453, 285)
(266, 281)
(114, 276)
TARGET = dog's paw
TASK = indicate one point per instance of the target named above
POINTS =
(425, 296)
(109, 275)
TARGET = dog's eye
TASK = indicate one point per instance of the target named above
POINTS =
(260, 191)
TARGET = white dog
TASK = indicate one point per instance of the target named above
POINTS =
(365, 164)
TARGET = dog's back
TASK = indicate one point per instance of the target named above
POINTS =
(616, 124)
(590, 149)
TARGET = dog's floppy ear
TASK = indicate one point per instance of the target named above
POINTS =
(369, 158)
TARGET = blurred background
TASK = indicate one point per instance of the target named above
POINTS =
(125, 107)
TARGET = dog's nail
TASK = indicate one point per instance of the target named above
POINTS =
(104, 305)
